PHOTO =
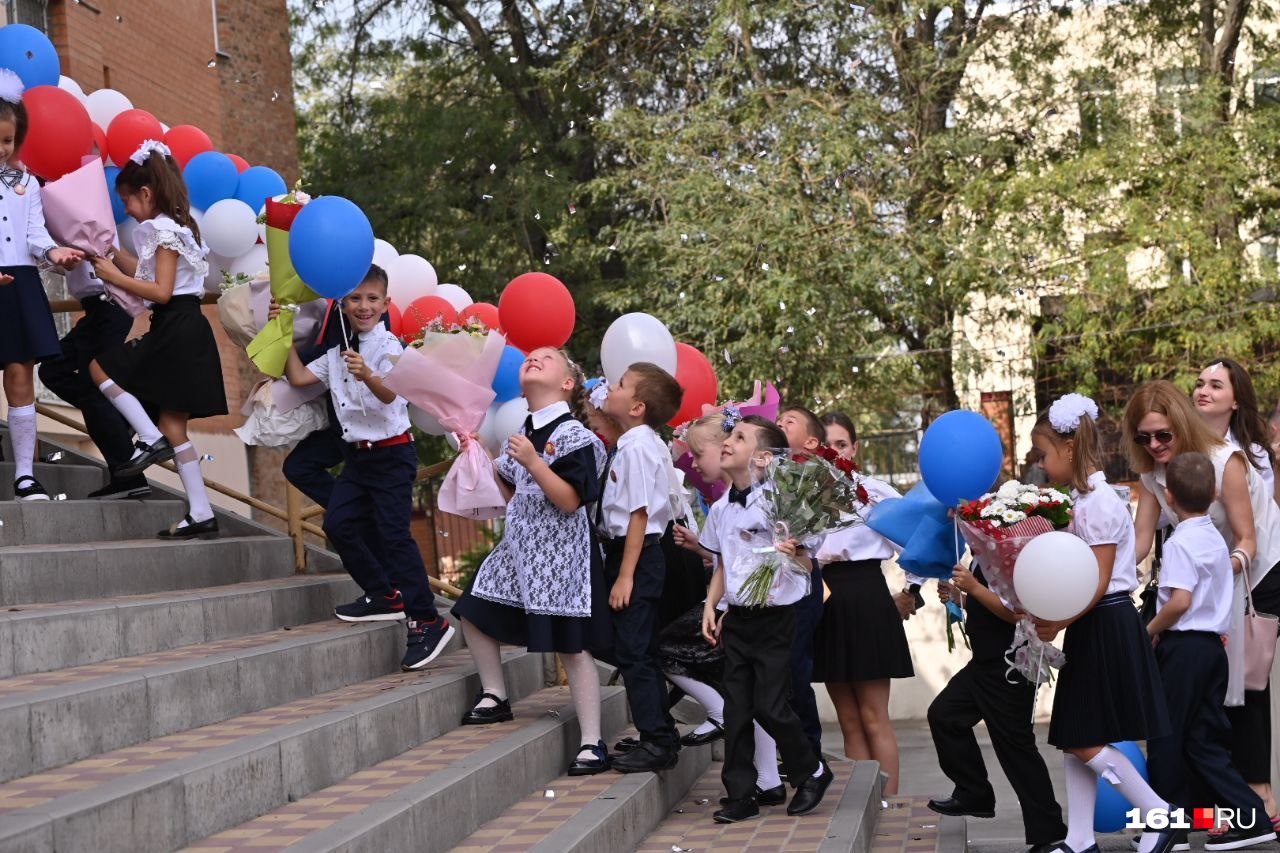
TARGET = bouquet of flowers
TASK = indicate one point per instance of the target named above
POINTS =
(997, 526)
(270, 347)
(808, 496)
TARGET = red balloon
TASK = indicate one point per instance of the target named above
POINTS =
(186, 141)
(129, 130)
(698, 379)
(241, 163)
(397, 321)
(59, 132)
(482, 311)
(536, 310)
(422, 311)
(100, 141)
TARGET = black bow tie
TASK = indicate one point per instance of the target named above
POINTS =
(739, 496)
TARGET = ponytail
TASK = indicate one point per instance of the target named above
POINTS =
(160, 172)
(1072, 419)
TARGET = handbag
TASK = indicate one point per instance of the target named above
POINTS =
(1261, 631)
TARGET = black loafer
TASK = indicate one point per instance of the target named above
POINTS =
(498, 713)
(646, 758)
(694, 739)
(148, 455)
(597, 763)
(956, 807)
(626, 744)
(737, 810)
(809, 794)
(207, 529)
(772, 797)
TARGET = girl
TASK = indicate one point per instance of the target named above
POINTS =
(1225, 398)
(543, 586)
(175, 366)
(860, 643)
(1159, 424)
(1109, 689)
(27, 333)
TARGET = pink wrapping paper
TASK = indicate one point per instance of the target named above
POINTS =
(450, 378)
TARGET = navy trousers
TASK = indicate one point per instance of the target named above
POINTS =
(307, 465)
(808, 613)
(367, 521)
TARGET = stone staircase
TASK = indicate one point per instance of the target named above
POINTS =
(158, 696)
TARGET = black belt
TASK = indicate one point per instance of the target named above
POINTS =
(752, 612)
(1197, 633)
(615, 546)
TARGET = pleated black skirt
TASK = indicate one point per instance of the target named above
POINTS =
(860, 636)
(1109, 689)
(27, 332)
(174, 366)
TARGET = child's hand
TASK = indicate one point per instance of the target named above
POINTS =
(620, 595)
(356, 366)
(684, 537)
(906, 604)
(788, 547)
(66, 258)
(711, 623)
(944, 592)
(963, 579)
(521, 449)
(466, 439)
(273, 309)
(1047, 630)
(106, 270)
(5, 278)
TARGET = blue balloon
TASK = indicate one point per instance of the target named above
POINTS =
(257, 184)
(960, 457)
(117, 203)
(896, 519)
(931, 552)
(28, 53)
(331, 246)
(1110, 806)
(211, 177)
(506, 382)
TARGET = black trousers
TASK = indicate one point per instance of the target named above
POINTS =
(803, 701)
(1193, 668)
(104, 326)
(635, 642)
(307, 465)
(367, 521)
(757, 651)
(980, 691)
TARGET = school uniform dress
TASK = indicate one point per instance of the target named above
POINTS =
(860, 636)
(543, 586)
(1193, 667)
(1109, 688)
(368, 515)
(635, 478)
(27, 332)
(986, 690)
(175, 365)
(757, 645)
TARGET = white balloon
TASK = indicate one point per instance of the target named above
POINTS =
(636, 337)
(198, 215)
(68, 85)
(164, 127)
(251, 262)
(262, 226)
(425, 422)
(384, 254)
(1055, 576)
(507, 421)
(454, 295)
(452, 440)
(487, 438)
(410, 277)
(124, 234)
(230, 227)
(104, 105)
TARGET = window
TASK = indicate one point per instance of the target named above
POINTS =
(1099, 110)
(1266, 87)
(1175, 91)
(33, 13)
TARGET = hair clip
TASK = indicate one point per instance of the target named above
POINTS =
(147, 148)
(732, 414)
(11, 87)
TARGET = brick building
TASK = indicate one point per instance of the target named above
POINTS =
(224, 66)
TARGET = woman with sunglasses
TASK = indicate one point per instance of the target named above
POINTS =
(1160, 422)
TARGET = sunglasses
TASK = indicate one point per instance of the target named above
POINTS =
(1142, 439)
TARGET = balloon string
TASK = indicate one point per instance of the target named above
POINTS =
(1035, 687)
(346, 345)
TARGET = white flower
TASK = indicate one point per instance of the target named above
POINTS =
(1010, 489)
(1012, 516)
(1067, 410)
(990, 511)
(301, 197)
(1054, 496)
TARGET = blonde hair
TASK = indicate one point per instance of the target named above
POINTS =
(1086, 447)
(1189, 429)
(703, 431)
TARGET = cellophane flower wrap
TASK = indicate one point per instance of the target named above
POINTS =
(449, 375)
(269, 350)
(807, 496)
(997, 527)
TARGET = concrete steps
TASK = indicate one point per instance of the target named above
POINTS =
(75, 481)
(79, 521)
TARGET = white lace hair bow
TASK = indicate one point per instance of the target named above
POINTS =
(599, 393)
(147, 148)
(1067, 410)
(11, 87)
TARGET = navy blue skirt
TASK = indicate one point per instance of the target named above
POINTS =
(27, 332)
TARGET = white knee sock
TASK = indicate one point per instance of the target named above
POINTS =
(1112, 765)
(766, 759)
(584, 684)
(706, 696)
(487, 655)
(128, 405)
(1082, 794)
(189, 470)
(22, 432)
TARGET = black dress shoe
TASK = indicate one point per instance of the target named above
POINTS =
(207, 529)
(772, 797)
(694, 739)
(598, 762)
(810, 792)
(963, 808)
(626, 744)
(646, 758)
(736, 810)
(148, 455)
(497, 713)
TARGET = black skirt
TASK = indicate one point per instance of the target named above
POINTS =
(1251, 722)
(174, 366)
(683, 651)
(1109, 689)
(860, 636)
(27, 332)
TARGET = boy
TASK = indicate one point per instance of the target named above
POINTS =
(633, 511)
(757, 640)
(1194, 610)
(367, 518)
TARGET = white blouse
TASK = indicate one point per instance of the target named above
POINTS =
(1101, 517)
(1263, 468)
(23, 236)
(860, 542)
(361, 415)
(162, 232)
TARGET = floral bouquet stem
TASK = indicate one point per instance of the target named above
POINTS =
(955, 619)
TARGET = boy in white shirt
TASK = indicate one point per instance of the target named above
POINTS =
(1194, 612)
(757, 640)
(633, 511)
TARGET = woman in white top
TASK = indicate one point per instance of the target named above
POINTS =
(1225, 398)
(1160, 422)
